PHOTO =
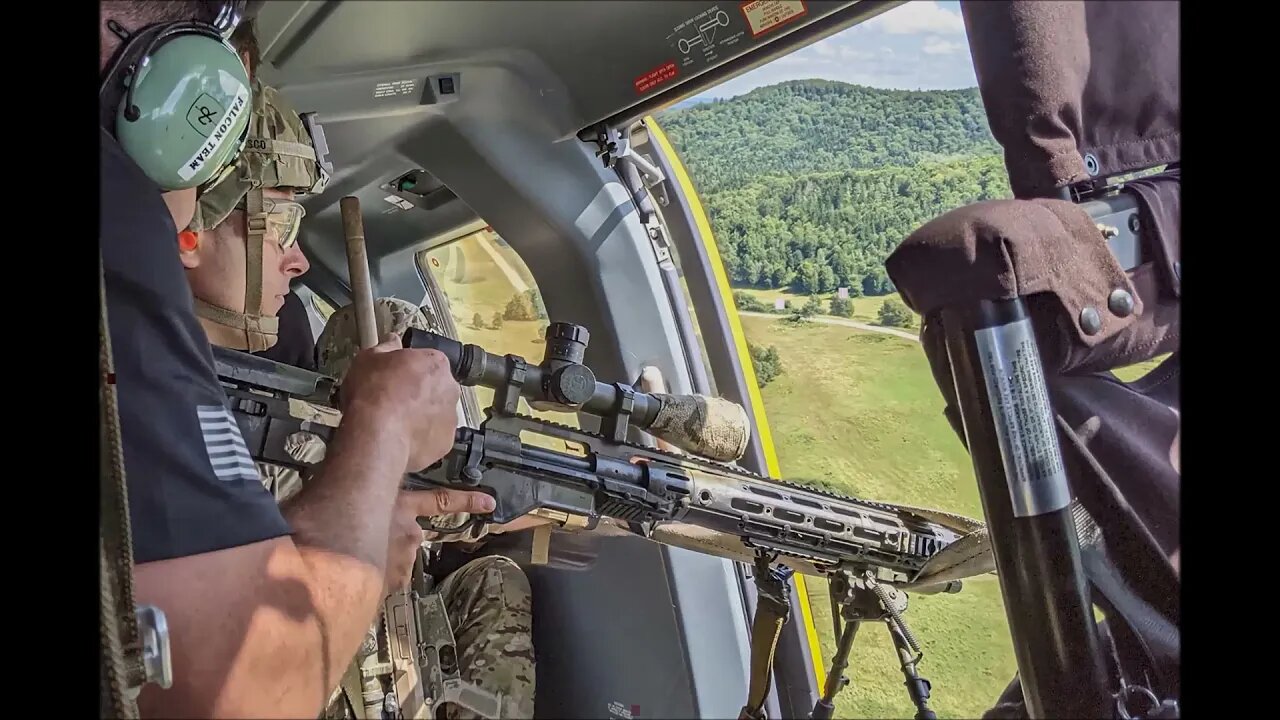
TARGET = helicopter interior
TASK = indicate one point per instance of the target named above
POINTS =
(443, 118)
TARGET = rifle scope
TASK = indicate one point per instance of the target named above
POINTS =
(560, 380)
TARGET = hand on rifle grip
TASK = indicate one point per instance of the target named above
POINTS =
(411, 393)
(407, 527)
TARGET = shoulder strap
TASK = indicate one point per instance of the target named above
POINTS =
(1146, 639)
(773, 609)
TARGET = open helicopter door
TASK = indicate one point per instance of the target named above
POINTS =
(711, 332)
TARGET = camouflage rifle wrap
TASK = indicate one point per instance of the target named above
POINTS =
(706, 426)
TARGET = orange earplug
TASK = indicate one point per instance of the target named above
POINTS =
(187, 240)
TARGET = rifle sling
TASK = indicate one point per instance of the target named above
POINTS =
(122, 671)
(773, 609)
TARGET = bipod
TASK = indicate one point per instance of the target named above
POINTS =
(860, 599)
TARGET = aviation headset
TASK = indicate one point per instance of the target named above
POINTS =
(177, 98)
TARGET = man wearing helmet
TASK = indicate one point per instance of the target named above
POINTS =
(239, 263)
(240, 250)
(263, 613)
(238, 293)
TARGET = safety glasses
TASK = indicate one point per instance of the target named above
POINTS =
(284, 218)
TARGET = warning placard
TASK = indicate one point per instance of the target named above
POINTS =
(392, 89)
(655, 77)
(765, 15)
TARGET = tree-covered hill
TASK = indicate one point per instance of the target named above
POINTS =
(811, 183)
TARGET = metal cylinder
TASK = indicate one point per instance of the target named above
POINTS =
(1012, 438)
(566, 343)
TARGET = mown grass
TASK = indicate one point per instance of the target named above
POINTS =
(859, 412)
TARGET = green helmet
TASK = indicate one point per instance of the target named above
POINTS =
(283, 151)
(193, 103)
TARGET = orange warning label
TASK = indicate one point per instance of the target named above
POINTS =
(765, 15)
(655, 77)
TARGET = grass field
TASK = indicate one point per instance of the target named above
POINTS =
(859, 410)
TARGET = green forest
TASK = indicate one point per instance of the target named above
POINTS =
(810, 184)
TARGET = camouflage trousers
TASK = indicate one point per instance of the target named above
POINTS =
(489, 604)
(491, 609)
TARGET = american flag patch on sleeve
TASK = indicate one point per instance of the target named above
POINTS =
(227, 452)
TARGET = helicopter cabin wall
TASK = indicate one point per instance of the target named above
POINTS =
(675, 613)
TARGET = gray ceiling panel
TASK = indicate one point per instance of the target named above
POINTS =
(587, 60)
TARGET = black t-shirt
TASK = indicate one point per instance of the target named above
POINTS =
(294, 344)
(193, 487)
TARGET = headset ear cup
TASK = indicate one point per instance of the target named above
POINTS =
(193, 102)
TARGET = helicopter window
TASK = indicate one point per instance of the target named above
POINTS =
(318, 309)
(496, 304)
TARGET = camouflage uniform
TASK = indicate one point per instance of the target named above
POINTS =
(488, 599)
(491, 609)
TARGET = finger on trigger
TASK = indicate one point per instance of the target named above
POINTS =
(442, 501)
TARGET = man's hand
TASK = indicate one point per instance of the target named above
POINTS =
(408, 392)
(407, 535)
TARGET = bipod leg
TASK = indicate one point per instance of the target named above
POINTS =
(836, 679)
(834, 590)
(852, 600)
(917, 687)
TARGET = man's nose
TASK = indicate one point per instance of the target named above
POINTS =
(295, 262)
